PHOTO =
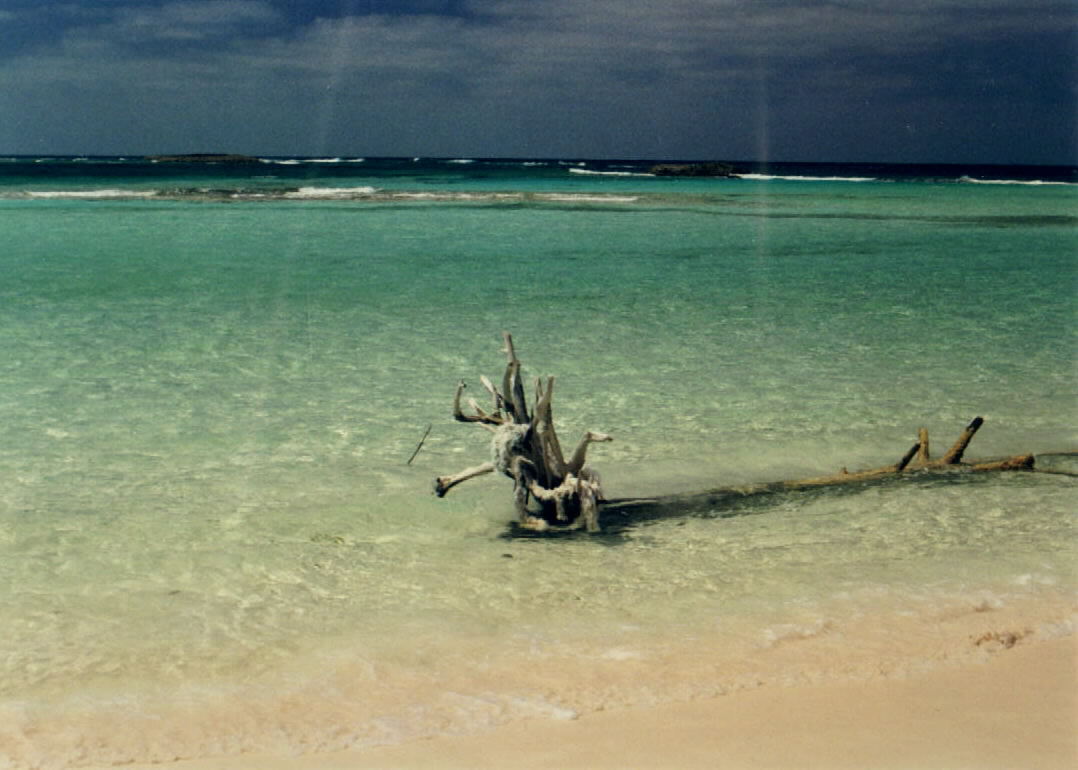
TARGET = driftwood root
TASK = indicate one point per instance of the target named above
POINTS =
(548, 491)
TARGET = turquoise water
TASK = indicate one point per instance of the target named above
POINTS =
(209, 400)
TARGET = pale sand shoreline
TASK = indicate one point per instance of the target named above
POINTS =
(1017, 710)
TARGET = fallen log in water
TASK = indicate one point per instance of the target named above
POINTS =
(732, 500)
(739, 500)
(550, 493)
(917, 459)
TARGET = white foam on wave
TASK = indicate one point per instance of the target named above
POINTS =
(773, 636)
(511, 196)
(592, 172)
(287, 162)
(797, 178)
(1028, 182)
(447, 196)
(333, 193)
(315, 193)
(421, 196)
(462, 161)
(91, 194)
(579, 198)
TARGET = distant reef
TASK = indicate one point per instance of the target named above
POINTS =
(693, 169)
(203, 157)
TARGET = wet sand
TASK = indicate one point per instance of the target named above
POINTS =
(1018, 709)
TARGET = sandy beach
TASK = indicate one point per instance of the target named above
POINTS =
(1017, 709)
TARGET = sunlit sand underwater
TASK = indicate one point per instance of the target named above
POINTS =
(213, 541)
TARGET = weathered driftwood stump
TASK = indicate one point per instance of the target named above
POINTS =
(525, 447)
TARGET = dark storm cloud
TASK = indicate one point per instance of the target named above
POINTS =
(945, 80)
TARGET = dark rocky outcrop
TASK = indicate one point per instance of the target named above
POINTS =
(203, 157)
(693, 169)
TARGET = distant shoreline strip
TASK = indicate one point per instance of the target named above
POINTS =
(371, 193)
(361, 193)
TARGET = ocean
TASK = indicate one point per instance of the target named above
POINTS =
(213, 377)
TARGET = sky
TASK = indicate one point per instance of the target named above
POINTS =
(906, 81)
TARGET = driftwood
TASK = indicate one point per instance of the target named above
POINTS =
(917, 458)
(525, 447)
(737, 500)
(551, 493)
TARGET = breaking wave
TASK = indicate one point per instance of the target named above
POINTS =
(301, 161)
(1029, 182)
(333, 193)
(793, 178)
(312, 193)
(92, 194)
(591, 172)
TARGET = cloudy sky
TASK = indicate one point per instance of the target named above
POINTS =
(816, 80)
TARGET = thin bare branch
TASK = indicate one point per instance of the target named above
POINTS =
(954, 454)
(499, 399)
(480, 416)
(901, 464)
(443, 484)
(923, 455)
(580, 454)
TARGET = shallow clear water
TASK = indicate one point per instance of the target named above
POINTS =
(208, 405)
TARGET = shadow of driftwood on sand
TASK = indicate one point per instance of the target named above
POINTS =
(622, 515)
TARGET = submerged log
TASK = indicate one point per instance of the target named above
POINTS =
(550, 493)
